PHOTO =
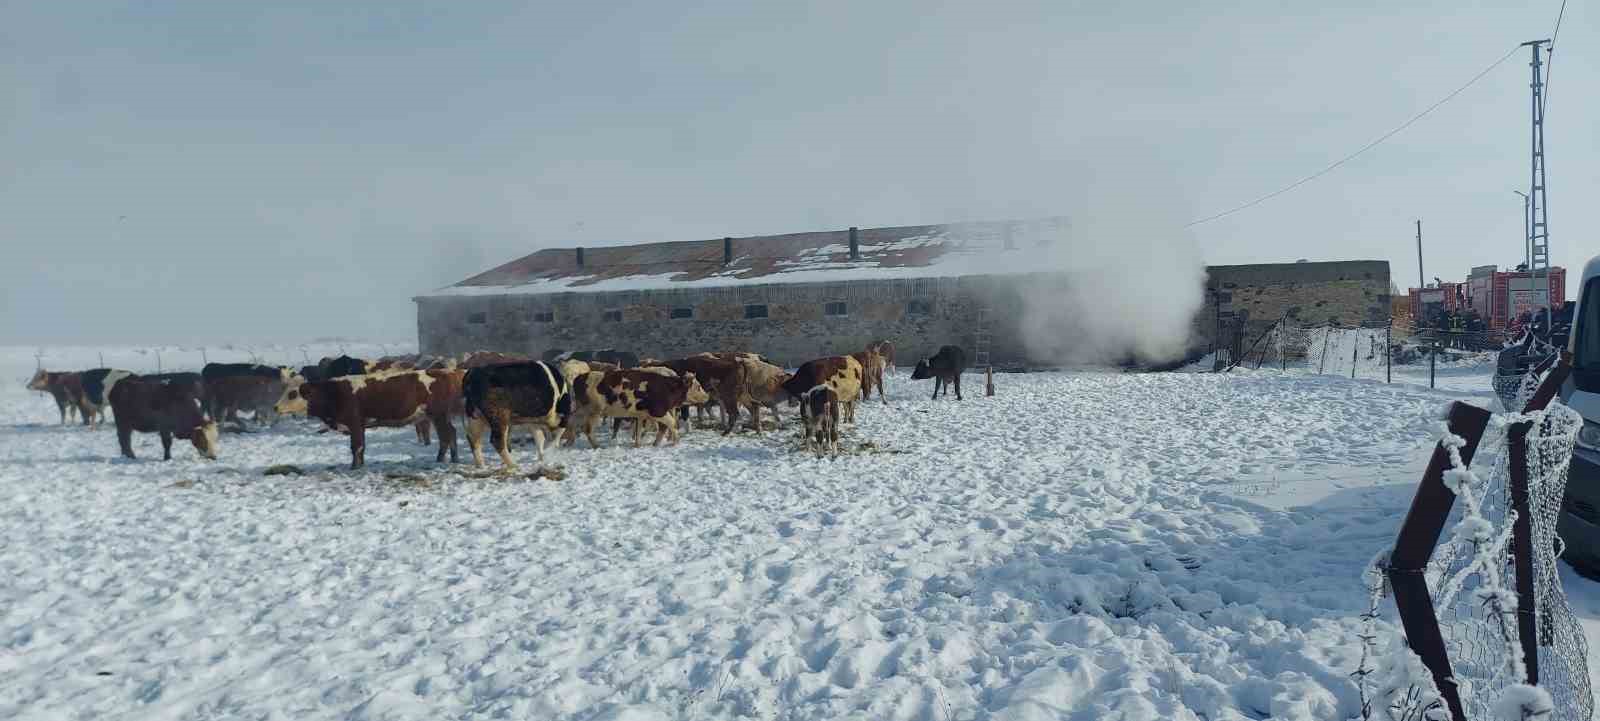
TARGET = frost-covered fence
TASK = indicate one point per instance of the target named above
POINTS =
(1489, 631)
(1351, 351)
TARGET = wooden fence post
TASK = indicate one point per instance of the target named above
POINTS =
(1419, 533)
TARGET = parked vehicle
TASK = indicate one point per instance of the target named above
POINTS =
(1580, 513)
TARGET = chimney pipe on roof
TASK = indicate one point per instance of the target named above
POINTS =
(727, 250)
(855, 245)
(580, 256)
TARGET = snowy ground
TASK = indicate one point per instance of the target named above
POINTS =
(1081, 545)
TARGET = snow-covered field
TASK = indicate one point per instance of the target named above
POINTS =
(1081, 545)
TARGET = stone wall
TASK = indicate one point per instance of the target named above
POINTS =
(797, 327)
(1253, 297)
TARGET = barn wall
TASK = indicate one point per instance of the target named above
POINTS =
(796, 328)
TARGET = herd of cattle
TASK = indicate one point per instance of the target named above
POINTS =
(564, 394)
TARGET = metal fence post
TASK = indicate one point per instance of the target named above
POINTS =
(1327, 333)
(1388, 352)
(1355, 350)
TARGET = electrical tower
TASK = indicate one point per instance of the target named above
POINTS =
(1538, 228)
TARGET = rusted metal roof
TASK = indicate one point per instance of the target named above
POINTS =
(755, 259)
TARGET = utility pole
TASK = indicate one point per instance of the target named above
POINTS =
(1433, 345)
(1538, 204)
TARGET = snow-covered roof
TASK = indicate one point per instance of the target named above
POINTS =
(918, 251)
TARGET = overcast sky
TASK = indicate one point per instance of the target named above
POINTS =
(195, 171)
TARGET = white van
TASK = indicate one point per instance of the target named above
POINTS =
(1580, 517)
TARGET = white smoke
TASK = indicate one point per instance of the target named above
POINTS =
(1127, 291)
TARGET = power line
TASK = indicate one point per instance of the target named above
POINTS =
(1335, 164)
(1549, 66)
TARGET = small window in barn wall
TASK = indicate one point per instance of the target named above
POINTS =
(478, 318)
(919, 307)
(834, 309)
(683, 312)
(755, 311)
(548, 316)
(613, 316)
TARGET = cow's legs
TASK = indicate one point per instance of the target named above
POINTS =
(638, 432)
(538, 443)
(755, 417)
(61, 407)
(358, 444)
(500, 433)
(958, 385)
(125, 439)
(425, 432)
(879, 379)
(166, 446)
(937, 382)
(476, 425)
(447, 437)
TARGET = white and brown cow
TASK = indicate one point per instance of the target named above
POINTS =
(842, 373)
(763, 388)
(645, 395)
(351, 404)
(497, 397)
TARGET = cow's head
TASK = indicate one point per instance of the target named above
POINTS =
(40, 381)
(299, 398)
(696, 394)
(204, 439)
(923, 371)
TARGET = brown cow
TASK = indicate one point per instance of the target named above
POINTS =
(841, 373)
(352, 404)
(721, 378)
(65, 388)
(165, 407)
(257, 394)
(819, 410)
(641, 394)
(871, 373)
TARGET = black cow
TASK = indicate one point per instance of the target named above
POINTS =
(170, 409)
(234, 387)
(620, 358)
(343, 366)
(191, 381)
(945, 367)
(500, 396)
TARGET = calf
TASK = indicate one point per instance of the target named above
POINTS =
(841, 373)
(97, 385)
(500, 396)
(645, 395)
(945, 367)
(65, 388)
(169, 408)
(819, 411)
(885, 349)
(871, 373)
(352, 404)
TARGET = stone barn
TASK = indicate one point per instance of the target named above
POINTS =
(789, 297)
